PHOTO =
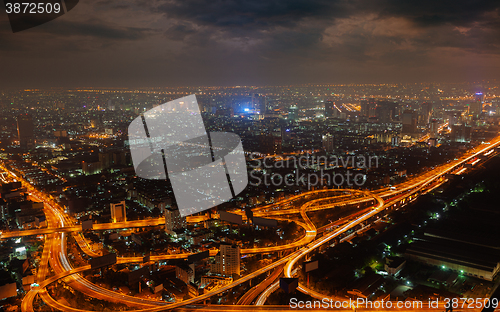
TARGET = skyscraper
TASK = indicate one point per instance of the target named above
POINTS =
(409, 122)
(293, 113)
(25, 131)
(271, 143)
(173, 220)
(118, 212)
(329, 109)
(258, 103)
(476, 107)
(434, 129)
(227, 260)
(364, 108)
(372, 108)
(328, 142)
(460, 133)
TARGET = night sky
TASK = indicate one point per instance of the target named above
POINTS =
(104, 43)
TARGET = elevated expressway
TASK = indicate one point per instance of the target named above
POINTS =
(55, 240)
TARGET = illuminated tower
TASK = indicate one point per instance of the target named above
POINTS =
(372, 108)
(25, 131)
(328, 142)
(329, 108)
(476, 107)
(293, 113)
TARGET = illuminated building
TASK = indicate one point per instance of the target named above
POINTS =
(118, 212)
(460, 133)
(293, 113)
(409, 122)
(329, 109)
(227, 260)
(425, 113)
(476, 107)
(270, 144)
(90, 168)
(25, 131)
(328, 140)
(372, 108)
(394, 265)
(467, 255)
(173, 220)
(185, 272)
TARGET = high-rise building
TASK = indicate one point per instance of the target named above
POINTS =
(434, 129)
(258, 103)
(111, 106)
(25, 131)
(385, 111)
(364, 108)
(173, 220)
(293, 113)
(329, 109)
(270, 144)
(425, 113)
(90, 168)
(328, 143)
(372, 108)
(118, 212)
(476, 107)
(185, 272)
(409, 122)
(460, 133)
(227, 260)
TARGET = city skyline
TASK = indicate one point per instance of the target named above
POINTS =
(267, 155)
(349, 186)
(142, 44)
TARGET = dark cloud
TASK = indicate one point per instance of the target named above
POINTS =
(259, 14)
(94, 28)
(432, 13)
(157, 42)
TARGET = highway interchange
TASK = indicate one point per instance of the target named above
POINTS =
(59, 224)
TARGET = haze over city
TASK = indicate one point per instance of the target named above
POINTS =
(185, 43)
(249, 155)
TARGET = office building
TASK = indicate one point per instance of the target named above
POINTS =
(329, 109)
(227, 260)
(328, 140)
(364, 108)
(185, 272)
(91, 168)
(258, 103)
(173, 220)
(476, 107)
(434, 129)
(394, 265)
(25, 131)
(270, 144)
(460, 133)
(409, 122)
(372, 108)
(425, 114)
(118, 212)
(293, 113)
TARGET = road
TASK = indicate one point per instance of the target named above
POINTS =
(408, 190)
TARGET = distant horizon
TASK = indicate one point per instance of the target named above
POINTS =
(54, 88)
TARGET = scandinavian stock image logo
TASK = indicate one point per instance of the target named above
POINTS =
(26, 14)
(205, 169)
